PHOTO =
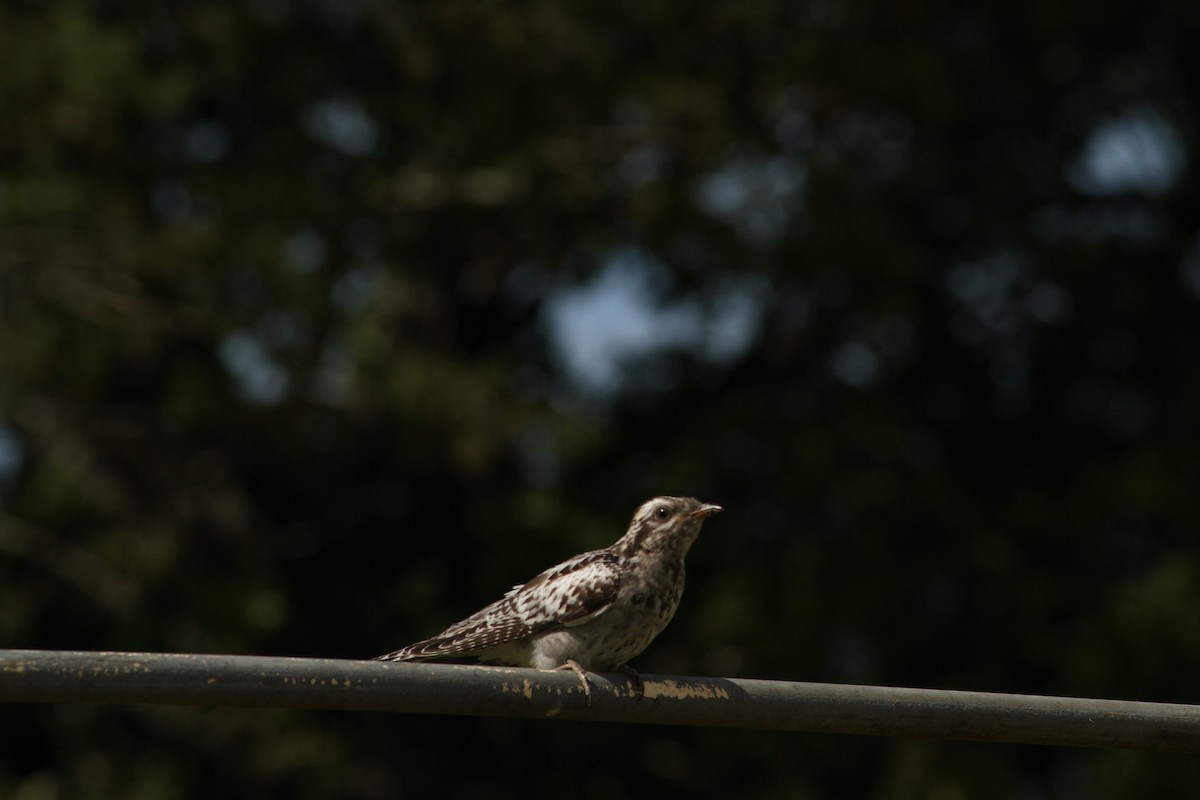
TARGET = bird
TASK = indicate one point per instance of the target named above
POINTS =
(591, 613)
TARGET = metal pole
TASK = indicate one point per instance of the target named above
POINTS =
(217, 680)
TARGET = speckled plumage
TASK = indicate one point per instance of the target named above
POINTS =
(594, 611)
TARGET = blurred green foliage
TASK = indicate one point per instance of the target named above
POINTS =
(285, 369)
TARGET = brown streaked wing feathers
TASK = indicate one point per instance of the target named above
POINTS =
(569, 593)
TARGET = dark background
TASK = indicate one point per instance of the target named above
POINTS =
(322, 323)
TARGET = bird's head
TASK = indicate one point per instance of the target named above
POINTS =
(666, 524)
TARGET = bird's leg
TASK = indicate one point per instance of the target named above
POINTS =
(634, 678)
(581, 673)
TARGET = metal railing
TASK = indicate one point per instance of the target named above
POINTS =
(46, 676)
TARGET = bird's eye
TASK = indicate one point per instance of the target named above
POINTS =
(662, 512)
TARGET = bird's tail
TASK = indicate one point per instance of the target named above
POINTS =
(403, 654)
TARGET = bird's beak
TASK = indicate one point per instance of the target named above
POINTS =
(706, 510)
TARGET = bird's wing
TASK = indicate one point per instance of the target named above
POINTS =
(571, 593)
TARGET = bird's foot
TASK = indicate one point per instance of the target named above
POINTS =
(581, 673)
(639, 690)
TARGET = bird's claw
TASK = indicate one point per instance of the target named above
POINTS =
(581, 673)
